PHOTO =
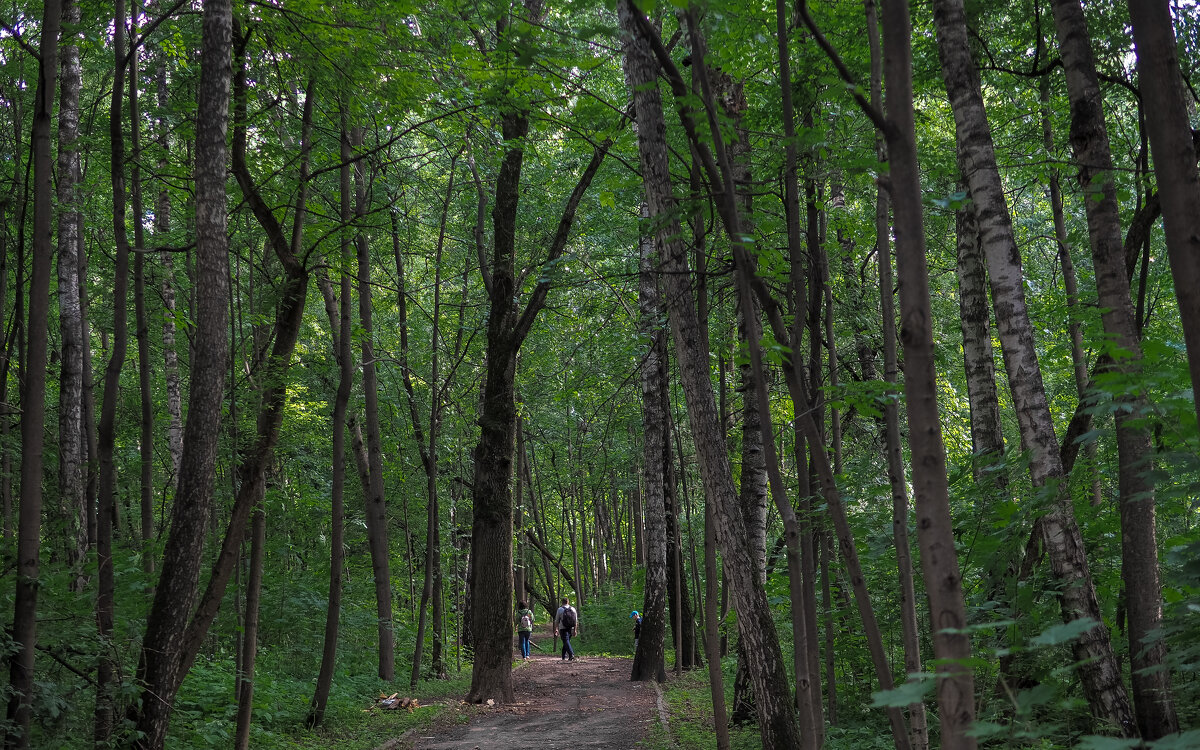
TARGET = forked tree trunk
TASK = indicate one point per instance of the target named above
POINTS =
(163, 643)
(490, 580)
(976, 156)
(33, 392)
(776, 721)
(1150, 676)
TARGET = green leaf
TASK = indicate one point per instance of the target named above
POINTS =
(1182, 741)
(914, 691)
(1063, 633)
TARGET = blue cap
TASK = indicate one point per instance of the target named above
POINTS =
(633, 613)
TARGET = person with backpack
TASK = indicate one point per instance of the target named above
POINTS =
(524, 627)
(566, 620)
(637, 627)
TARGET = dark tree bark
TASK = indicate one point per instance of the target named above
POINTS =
(162, 225)
(141, 325)
(1174, 151)
(339, 326)
(163, 644)
(258, 523)
(33, 391)
(939, 563)
(711, 628)
(427, 446)
(376, 506)
(918, 725)
(1070, 285)
(1150, 677)
(490, 579)
(245, 691)
(112, 381)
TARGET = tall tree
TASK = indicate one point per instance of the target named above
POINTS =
(1173, 145)
(977, 161)
(491, 529)
(1150, 677)
(162, 646)
(777, 725)
(33, 391)
(107, 432)
(70, 314)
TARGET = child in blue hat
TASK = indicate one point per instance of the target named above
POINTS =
(637, 627)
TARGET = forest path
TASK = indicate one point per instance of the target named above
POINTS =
(589, 702)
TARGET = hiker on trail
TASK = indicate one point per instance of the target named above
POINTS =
(566, 620)
(637, 627)
(524, 627)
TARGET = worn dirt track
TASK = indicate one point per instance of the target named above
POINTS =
(587, 703)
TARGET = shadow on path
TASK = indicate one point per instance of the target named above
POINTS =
(587, 703)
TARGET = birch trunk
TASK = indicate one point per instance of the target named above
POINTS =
(976, 156)
(70, 313)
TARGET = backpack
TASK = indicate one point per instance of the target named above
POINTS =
(526, 622)
(569, 619)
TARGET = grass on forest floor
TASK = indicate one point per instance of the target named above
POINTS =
(688, 701)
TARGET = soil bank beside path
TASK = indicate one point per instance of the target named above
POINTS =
(586, 703)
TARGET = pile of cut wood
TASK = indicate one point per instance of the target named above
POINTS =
(394, 702)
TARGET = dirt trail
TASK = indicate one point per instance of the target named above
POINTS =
(589, 702)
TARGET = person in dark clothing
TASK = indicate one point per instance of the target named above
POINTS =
(566, 620)
(637, 627)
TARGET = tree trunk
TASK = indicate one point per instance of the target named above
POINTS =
(427, 448)
(245, 693)
(939, 563)
(1150, 676)
(340, 330)
(112, 383)
(70, 315)
(1070, 284)
(33, 392)
(376, 505)
(649, 660)
(712, 630)
(776, 721)
(1174, 151)
(162, 225)
(176, 590)
(491, 532)
(142, 326)
(977, 161)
